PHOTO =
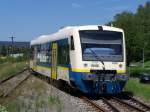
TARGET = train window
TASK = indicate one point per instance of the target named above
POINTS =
(44, 55)
(32, 52)
(48, 53)
(38, 48)
(72, 43)
(63, 52)
(101, 45)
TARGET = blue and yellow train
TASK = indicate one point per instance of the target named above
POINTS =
(91, 58)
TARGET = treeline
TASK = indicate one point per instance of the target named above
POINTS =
(7, 50)
(137, 32)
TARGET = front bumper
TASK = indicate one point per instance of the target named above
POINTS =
(99, 82)
(107, 75)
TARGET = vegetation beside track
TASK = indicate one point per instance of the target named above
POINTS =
(3, 109)
(138, 89)
(9, 68)
(138, 68)
(136, 27)
(33, 96)
(7, 59)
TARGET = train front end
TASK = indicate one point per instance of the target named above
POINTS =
(99, 60)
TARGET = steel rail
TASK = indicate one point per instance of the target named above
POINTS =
(127, 104)
(12, 89)
(140, 103)
(10, 77)
(110, 105)
(93, 104)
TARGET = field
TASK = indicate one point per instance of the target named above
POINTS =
(32, 88)
(33, 95)
(7, 69)
(139, 89)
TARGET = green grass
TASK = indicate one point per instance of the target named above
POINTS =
(14, 106)
(3, 109)
(33, 96)
(9, 69)
(133, 85)
(138, 89)
(55, 101)
(2, 60)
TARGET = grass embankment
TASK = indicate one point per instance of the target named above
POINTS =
(8, 69)
(139, 89)
(33, 96)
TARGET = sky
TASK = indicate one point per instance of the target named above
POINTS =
(28, 19)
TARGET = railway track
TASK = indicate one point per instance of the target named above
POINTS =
(139, 104)
(8, 78)
(109, 106)
(113, 104)
(92, 105)
(87, 103)
(116, 105)
(11, 83)
(125, 106)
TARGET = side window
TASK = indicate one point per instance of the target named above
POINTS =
(72, 43)
(48, 53)
(44, 56)
(38, 53)
(63, 52)
(32, 52)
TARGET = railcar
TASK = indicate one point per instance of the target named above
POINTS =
(91, 58)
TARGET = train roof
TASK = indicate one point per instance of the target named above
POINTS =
(68, 31)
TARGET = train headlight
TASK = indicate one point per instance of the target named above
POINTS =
(120, 65)
(85, 65)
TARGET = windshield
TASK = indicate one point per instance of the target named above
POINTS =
(106, 45)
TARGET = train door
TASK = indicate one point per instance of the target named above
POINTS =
(35, 58)
(54, 61)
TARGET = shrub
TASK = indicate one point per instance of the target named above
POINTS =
(3, 109)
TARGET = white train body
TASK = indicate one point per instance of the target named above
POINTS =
(95, 57)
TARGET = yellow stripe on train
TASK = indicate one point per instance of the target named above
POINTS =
(87, 70)
(63, 68)
(121, 71)
(80, 70)
(43, 68)
(73, 69)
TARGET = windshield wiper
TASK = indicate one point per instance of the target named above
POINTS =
(96, 56)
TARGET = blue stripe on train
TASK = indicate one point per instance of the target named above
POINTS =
(111, 87)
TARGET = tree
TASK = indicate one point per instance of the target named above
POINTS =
(3, 50)
(137, 32)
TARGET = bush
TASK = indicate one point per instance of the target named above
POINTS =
(135, 71)
(12, 59)
(10, 69)
(1, 61)
(3, 109)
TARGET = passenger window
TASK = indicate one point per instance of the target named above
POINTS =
(63, 52)
(72, 43)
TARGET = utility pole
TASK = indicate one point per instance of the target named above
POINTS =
(12, 47)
